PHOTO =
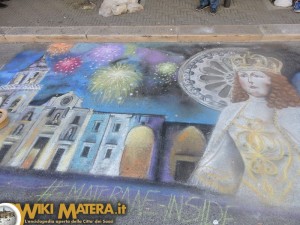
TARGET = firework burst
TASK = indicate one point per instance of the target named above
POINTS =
(166, 69)
(59, 48)
(106, 53)
(166, 73)
(115, 83)
(67, 65)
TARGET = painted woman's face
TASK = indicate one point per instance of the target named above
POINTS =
(255, 83)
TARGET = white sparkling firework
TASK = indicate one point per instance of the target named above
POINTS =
(166, 69)
(115, 83)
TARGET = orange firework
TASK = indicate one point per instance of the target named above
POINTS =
(59, 48)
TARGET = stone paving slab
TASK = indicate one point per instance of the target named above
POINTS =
(45, 34)
(218, 33)
(279, 29)
(279, 32)
(132, 34)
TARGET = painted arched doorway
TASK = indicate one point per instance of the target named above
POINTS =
(188, 148)
(138, 152)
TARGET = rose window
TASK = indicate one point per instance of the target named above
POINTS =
(208, 76)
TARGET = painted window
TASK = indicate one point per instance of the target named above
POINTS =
(55, 121)
(3, 151)
(76, 120)
(70, 134)
(96, 126)
(33, 79)
(85, 151)
(18, 130)
(51, 112)
(108, 153)
(28, 116)
(117, 127)
(14, 105)
(56, 159)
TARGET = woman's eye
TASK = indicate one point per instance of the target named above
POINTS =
(243, 75)
(259, 76)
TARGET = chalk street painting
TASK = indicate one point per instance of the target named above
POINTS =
(200, 134)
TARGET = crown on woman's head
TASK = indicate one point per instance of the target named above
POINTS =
(248, 61)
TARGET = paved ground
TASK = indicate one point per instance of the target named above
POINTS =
(167, 20)
(157, 12)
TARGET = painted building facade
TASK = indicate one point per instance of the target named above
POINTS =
(60, 135)
(102, 146)
(15, 98)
